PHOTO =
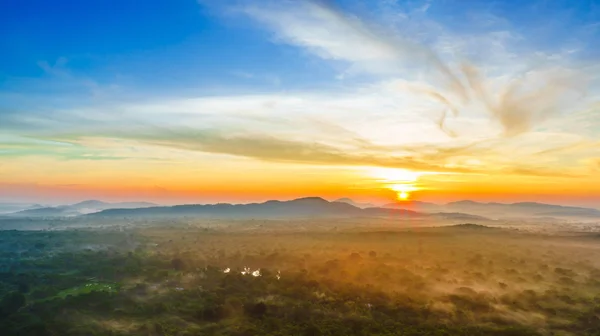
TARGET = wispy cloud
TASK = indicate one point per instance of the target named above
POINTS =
(518, 101)
(357, 129)
(56, 69)
(425, 158)
(594, 164)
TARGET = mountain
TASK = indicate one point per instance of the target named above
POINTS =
(95, 206)
(527, 209)
(302, 207)
(315, 207)
(14, 207)
(84, 207)
(499, 210)
(356, 204)
(574, 212)
(458, 216)
(415, 206)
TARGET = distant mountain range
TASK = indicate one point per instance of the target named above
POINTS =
(316, 207)
(499, 210)
(14, 207)
(302, 207)
(81, 208)
(356, 204)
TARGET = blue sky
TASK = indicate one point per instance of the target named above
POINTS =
(448, 86)
(171, 45)
(157, 46)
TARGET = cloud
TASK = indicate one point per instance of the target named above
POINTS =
(323, 31)
(594, 164)
(58, 69)
(530, 99)
(371, 125)
(355, 128)
(519, 102)
(582, 145)
(266, 148)
(423, 158)
(334, 35)
(14, 147)
(542, 172)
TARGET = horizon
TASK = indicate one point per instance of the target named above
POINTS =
(354, 202)
(247, 101)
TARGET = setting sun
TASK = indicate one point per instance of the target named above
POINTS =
(402, 190)
(402, 181)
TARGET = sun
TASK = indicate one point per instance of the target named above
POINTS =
(402, 181)
(402, 190)
(403, 196)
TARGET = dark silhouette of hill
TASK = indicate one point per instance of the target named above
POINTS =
(297, 208)
(84, 207)
(6, 208)
(93, 204)
(499, 210)
(316, 207)
(458, 216)
(356, 204)
(302, 207)
(522, 209)
(47, 211)
(415, 206)
(309, 206)
(573, 213)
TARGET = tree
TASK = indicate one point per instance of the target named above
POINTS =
(311, 330)
(12, 302)
(178, 264)
(23, 287)
(256, 310)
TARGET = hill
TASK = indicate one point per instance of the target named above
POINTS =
(6, 208)
(76, 209)
(499, 210)
(302, 207)
(356, 204)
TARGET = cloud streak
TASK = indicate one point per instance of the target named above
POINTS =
(423, 158)
(520, 103)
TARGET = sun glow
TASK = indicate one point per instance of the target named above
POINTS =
(394, 175)
(399, 180)
(402, 190)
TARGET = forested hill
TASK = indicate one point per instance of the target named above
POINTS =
(302, 207)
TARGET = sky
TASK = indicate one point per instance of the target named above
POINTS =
(244, 101)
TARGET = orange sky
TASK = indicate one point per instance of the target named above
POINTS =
(351, 107)
(231, 179)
